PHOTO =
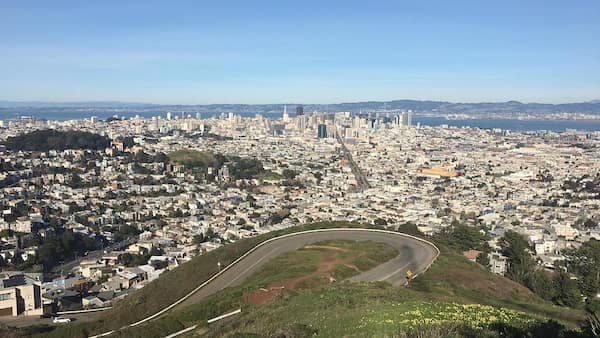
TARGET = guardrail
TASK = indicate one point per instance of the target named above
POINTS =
(187, 329)
(83, 311)
(210, 321)
(182, 299)
(229, 314)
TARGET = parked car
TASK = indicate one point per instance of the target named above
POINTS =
(61, 320)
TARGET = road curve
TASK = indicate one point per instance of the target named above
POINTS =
(415, 254)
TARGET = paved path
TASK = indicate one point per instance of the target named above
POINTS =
(414, 255)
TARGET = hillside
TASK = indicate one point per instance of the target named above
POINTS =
(454, 291)
(48, 139)
(451, 282)
(195, 159)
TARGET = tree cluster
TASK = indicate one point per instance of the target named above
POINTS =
(558, 286)
(58, 247)
(48, 139)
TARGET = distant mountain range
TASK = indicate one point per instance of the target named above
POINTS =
(440, 107)
(84, 104)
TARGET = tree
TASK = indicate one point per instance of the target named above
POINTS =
(177, 214)
(592, 308)
(289, 174)
(126, 231)
(197, 239)
(585, 263)
(409, 229)
(464, 237)
(516, 249)
(590, 223)
(319, 177)
(131, 260)
(158, 265)
(210, 233)
(126, 258)
(49, 252)
(541, 285)
(483, 257)
(6, 233)
(567, 293)
(48, 139)
(76, 182)
(380, 221)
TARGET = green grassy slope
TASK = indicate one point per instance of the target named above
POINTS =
(451, 280)
(454, 291)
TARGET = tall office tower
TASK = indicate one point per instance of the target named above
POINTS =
(409, 119)
(198, 116)
(403, 119)
(182, 115)
(322, 131)
(286, 116)
(299, 111)
(169, 116)
(302, 123)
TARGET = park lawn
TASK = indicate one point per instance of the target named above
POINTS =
(192, 158)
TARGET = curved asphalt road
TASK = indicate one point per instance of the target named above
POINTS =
(415, 255)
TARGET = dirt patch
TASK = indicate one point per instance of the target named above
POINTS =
(324, 247)
(352, 266)
(261, 296)
(326, 265)
(329, 262)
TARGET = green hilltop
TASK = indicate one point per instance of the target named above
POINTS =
(455, 298)
(48, 139)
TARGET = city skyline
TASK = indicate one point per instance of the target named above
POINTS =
(299, 169)
(310, 52)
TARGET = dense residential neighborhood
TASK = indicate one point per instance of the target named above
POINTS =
(111, 205)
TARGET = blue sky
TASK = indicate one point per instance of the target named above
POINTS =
(197, 52)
